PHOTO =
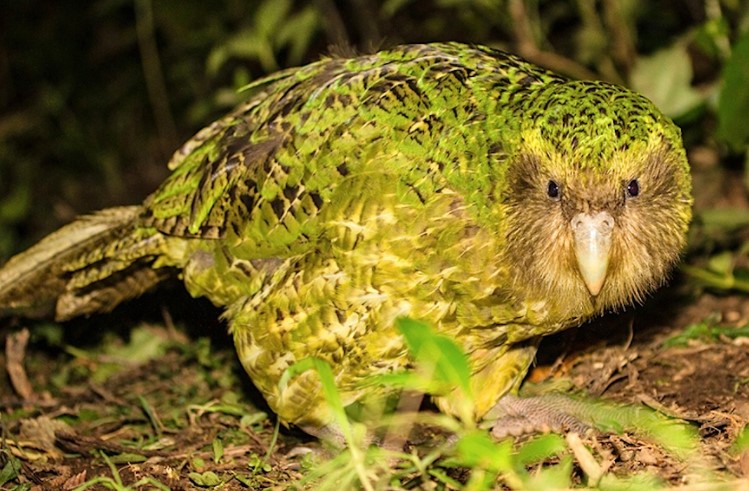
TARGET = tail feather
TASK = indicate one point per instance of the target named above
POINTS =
(88, 266)
(106, 294)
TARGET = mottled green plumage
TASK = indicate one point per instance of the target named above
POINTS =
(414, 181)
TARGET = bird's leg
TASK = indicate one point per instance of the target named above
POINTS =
(510, 414)
(514, 415)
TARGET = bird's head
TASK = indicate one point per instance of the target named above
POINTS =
(597, 199)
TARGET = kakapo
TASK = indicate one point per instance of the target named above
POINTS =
(456, 184)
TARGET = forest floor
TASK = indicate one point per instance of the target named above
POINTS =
(165, 409)
(129, 401)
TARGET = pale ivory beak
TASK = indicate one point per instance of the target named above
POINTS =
(592, 235)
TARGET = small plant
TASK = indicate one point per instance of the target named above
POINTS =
(707, 330)
(542, 462)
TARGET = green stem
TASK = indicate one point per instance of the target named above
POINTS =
(716, 280)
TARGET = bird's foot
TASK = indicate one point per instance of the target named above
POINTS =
(515, 416)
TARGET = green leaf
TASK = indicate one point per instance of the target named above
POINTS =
(15, 205)
(706, 330)
(256, 464)
(205, 479)
(248, 481)
(218, 450)
(740, 445)
(674, 435)
(541, 448)
(270, 15)
(477, 449)
(634, 482)
(145, 344)
(724, 218)
(198, 463)
(721, 263)
(557, 476)
(665, 78)
(443, 360)
(733, 105)
(298, 32)
(10, 471)
(127, 458)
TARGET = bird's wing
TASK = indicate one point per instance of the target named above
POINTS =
(218, 175)
(264, 172)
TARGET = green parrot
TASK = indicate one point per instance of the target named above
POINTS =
(456, 184)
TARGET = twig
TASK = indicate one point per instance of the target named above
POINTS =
(74, 442)
(587, 461)
(155, 84)
(622, 42)
(528, 47)
(15, 352)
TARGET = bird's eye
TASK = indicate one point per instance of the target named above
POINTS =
(633, 188)
(552, 190)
